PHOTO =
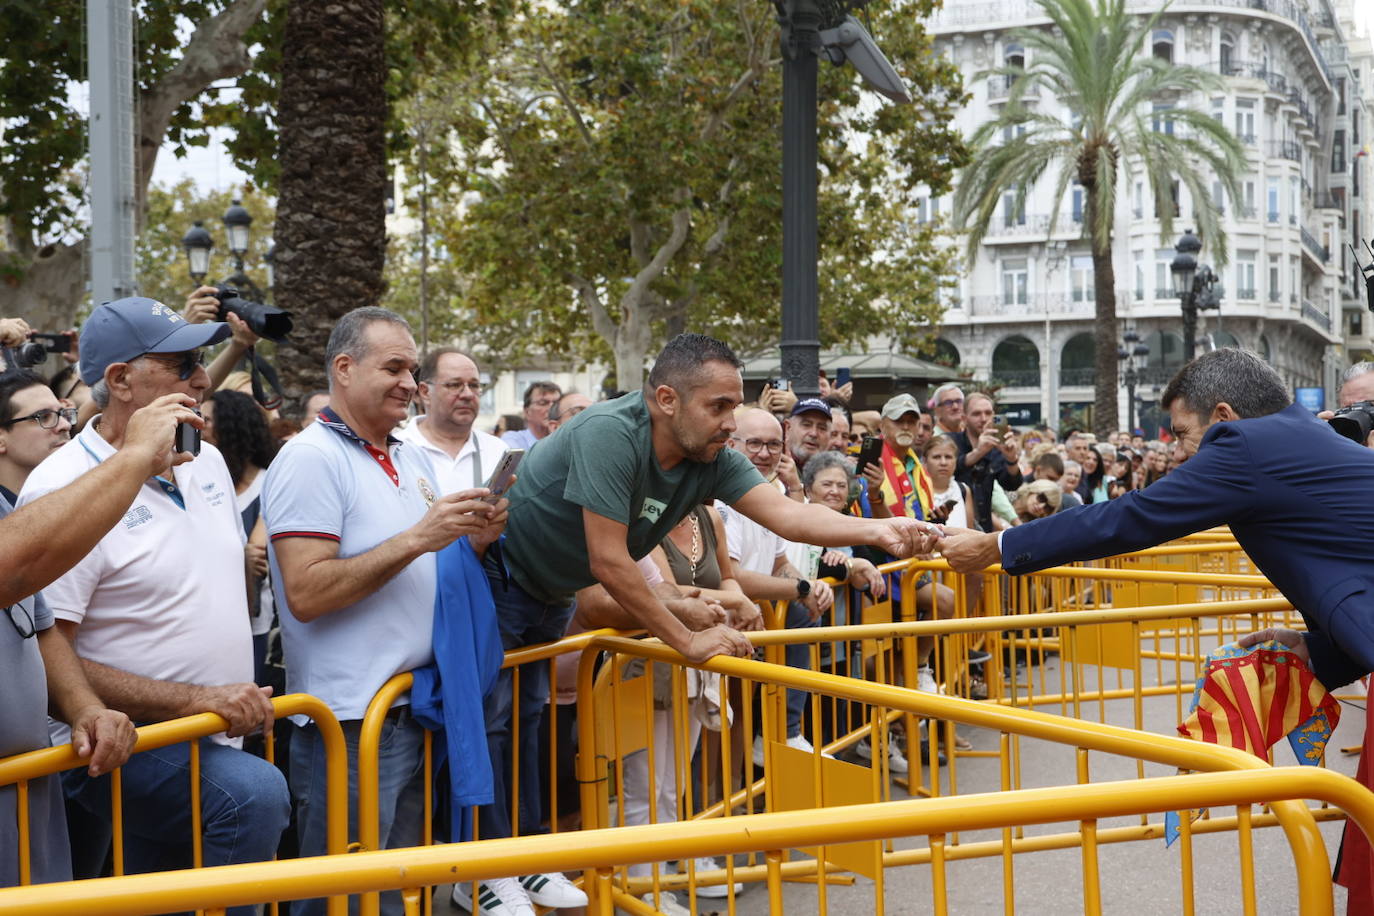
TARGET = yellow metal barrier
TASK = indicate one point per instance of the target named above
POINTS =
(20, 769)
(599, 852)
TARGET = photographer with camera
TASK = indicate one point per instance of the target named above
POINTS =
(161, 608)
(1355, 419)
(203, 306)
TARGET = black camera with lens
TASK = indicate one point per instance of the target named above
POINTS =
(1354, 422)
(263, 320)
(35, 350)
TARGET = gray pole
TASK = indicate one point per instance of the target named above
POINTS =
(800, 320)
(109, 36)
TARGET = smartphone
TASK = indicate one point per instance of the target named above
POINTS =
(841, 377)
(504, 475)
(869, 453)
(188, 438)
(779, 384)
(54, 343)
(948, 507)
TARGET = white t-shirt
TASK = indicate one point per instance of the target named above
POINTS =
(262, 620)
(958, 516)
(325, 484)
(473, 466)
(163, 595)
(749, 544)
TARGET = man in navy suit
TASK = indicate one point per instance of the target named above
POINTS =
(1295, 493)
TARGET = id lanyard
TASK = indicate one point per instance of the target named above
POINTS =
(169, 487)
(476, 463)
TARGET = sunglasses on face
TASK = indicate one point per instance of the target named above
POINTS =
(46, 419)
(186, 363)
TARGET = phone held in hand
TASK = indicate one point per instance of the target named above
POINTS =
(842, 377)
(187, 438)
(869, 453)
(504, 475)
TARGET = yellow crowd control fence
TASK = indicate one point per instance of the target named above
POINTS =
(22, 769)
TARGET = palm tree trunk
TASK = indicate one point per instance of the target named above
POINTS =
(331, 214)
(1105, 418)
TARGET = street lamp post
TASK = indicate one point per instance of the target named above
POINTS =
(1196, 287)
(238, 223)
(1132, 353)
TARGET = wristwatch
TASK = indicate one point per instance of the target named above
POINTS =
(803, 589)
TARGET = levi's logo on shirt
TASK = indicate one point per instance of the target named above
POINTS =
(652, 509)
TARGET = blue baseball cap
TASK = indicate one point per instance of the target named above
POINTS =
(810, 404)
(125, 329)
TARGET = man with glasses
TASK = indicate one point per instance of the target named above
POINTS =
(539, 397)
(158, 610)
(759, 561)
(451, 388)
(567, 407)
(949, 408)
(33, 425)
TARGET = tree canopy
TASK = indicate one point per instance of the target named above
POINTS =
(609, 172)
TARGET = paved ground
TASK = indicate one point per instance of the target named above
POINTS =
(1138, 877)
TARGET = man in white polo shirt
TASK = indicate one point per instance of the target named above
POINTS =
(451, 388)
(158, 610)
(354, 517)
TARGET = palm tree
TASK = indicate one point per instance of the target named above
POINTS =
(1095, 58)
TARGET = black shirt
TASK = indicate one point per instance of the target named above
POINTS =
(991, 468)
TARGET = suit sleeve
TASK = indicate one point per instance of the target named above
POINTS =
(1214, 487)
(1330, 664)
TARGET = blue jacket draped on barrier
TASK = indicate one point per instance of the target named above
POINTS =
(447, 695)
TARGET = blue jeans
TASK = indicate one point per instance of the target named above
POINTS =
(798, 656)
(400, 793)
(243, 800)
(524, 621)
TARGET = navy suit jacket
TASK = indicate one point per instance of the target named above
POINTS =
(1299, 498)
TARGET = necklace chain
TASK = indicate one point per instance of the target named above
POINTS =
(696, 539)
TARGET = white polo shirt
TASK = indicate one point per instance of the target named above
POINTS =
(749, 544)
(163, 595)
(327, 483)
(471, 468)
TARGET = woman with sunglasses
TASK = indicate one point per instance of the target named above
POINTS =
(33, 425)
(1036, 499)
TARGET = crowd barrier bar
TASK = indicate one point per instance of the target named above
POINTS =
(599, 852)
(20, 769)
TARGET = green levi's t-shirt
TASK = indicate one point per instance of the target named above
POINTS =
(603, 459)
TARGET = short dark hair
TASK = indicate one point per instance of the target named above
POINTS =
(13, 381)
(305, 401)
(1231, 376)
(430, 364)
(680, 363)
(534, 387)
(1050, 461)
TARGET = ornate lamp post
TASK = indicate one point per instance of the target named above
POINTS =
(1196, 287)
(1132, 354)
(198, 243)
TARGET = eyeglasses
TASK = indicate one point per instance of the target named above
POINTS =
(950, 402)
(25, 629)
(457, 386)
(543, 402)
(754, 446)
(46, 419)
(187, 363)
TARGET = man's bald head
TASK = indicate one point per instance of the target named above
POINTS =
(758, 434)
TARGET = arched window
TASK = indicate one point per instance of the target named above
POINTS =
(1162, 45)
(1265, 353)
(1228, 53)
(1014, 56)
(1166, 350)
(946, 353)
(1076, 360)
(1222, 338)
(1016, 363)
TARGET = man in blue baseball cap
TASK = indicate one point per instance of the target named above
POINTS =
(161, 609)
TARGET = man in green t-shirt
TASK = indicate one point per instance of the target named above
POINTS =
(601, 493)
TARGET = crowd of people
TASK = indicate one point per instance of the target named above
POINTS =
(327, 551)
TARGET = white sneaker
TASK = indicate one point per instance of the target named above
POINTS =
(799, 742)
(925, 680)
(552, 890)
(496, 897)
(705, 864)
(667, 904)
(896, 760)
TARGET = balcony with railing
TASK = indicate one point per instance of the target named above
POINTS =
(1082, 377)
(1035, 305)
(1246, 293)
(1315, 315)
(1016, 378)
(1313, 247)
(1285, 149)
(1000, 86)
